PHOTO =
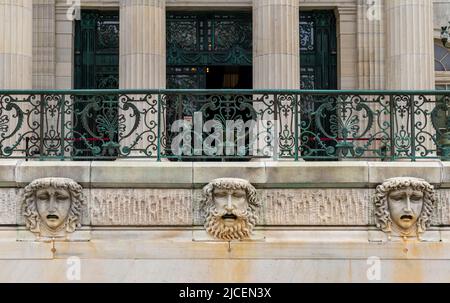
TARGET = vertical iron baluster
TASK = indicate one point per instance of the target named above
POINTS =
(276, 121)
(63, 139)
(296, 126)
(158, 140)
(413, 132)
(391, 126)
(41, 125)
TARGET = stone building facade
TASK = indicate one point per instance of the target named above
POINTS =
(42, 42)
(146, 220)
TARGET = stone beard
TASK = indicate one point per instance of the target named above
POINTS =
(52, 206)
(404, 205)
(230, 208)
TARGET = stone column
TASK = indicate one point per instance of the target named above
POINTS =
(142, 66)
(370, 41)
(347, 47)
(276, 47)
(44, 44)
(142, 44)
(16, 50)
(276, 59)
(16, 62)
(409, 44)
(370, 61)
(410, 63)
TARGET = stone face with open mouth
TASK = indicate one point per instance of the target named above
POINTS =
(230, 206)
(229, 219)
(52, 206)
(406, 218)
(52, 217)
(405, 206)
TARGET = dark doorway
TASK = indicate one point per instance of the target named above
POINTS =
(229, 77)
(207, 51)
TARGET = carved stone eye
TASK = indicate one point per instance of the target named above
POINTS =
(239, 194)
(43, 197)
(416, 198)
(62, 197)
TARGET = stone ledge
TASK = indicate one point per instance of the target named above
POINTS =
(26, 172)
(281, 174)
(185, 270)
(8, 172)
(138, 174)
(186, 244)
(205, 172)
(445, 180)
(316, 174)
(380, 171)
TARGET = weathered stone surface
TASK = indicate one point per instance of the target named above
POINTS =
(445, 182)
(404, 206)
(122, 270)
(141, 207)
(204, 172)
(8, 204)
(381, 171)
(235, 198)
(85, 215)
(316, 174)
(316, 206)
(27, 172)
(52, 207)
(141, 174)
(8, 173)
(308, 207)
(441, 213)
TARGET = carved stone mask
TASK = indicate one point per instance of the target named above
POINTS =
(230, 208)
(52, 206)
(404, 206)
(229, 202)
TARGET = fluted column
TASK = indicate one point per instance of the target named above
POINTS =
(142, 44)
(16, 51)
(409, 43)
(142, 66)
(371, 68)
(44, 44)
(16, 70)
(276, 48)
(410, 66)
(276, 65)
(370, 40)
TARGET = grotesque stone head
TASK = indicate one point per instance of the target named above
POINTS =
(404, 206)
(52, 206)
(229, 207)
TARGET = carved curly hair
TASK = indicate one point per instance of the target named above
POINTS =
(233, 184)
(382, 215)
(29, 206)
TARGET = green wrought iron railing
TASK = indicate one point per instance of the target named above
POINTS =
(224, 125)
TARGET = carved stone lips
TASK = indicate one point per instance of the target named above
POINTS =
(406, 217)
(52, 217)
(229, 217)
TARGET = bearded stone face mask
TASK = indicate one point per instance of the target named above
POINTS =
(229, 207)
